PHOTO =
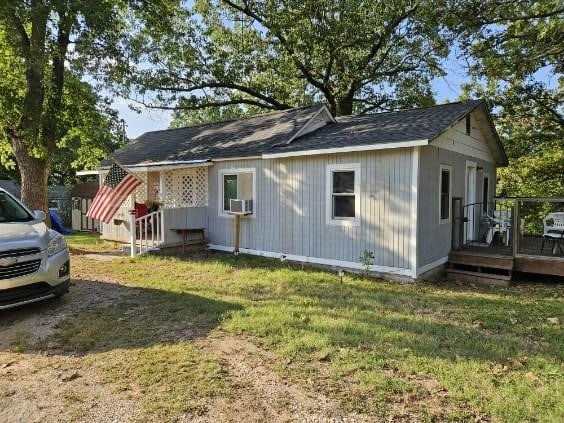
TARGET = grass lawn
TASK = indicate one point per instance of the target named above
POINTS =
(493, 353)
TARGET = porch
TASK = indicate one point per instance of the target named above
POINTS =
(171, 200)
(492, 241)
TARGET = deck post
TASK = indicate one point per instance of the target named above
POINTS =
(237, 233)
(516, 227)
(132, 232)
(457, 223)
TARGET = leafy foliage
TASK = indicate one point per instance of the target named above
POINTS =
(50, 118)
(515, 45)
(357, 56)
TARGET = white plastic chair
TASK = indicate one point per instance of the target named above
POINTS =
(554, 231)
(500, 224)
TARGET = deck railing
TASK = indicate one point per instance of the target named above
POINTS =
(510, 226)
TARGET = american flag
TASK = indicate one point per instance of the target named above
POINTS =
(116, 187)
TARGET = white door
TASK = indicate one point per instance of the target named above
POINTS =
(472, 209)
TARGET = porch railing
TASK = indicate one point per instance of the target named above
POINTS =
(147, 233)
(510, 226)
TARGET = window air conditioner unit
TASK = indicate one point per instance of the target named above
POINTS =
(237, 206)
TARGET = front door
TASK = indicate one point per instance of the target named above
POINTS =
(472, 209)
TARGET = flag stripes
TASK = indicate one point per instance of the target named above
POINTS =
(117, 185)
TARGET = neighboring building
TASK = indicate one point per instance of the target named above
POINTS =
(324, 190)
(11, 186)
(82, 196)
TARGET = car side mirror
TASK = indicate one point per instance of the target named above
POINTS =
(39, 215)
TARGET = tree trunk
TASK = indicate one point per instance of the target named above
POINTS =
(34, 175)
(344, 106)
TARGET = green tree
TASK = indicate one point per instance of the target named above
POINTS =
(45, 111)
(186, 117)
(517, 58)
(357, 56)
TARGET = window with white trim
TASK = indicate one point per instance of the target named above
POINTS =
(236, 184)
(445, 193)
(343, 194)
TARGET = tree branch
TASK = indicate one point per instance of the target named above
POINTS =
(208, 104)
(284, 42)
(247, 90)
(556, 12)
(19, 28)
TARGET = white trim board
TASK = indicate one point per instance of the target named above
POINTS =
(148, 167)
(87, 172)
(431, 266)
(414, 212)
(370, 147)
(232, 159)
(397, 271)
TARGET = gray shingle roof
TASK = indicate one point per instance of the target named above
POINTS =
(269, 133)
(239, 138)
(391, 127)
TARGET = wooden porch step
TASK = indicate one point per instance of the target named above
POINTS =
(477, 259)
(479, 278)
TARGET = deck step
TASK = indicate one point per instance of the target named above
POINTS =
(476, 259)
(479, 278)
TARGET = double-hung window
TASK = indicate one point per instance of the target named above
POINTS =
(343, 194)
(445, 189)
(236, 184)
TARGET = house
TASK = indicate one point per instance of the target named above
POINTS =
(324, 189)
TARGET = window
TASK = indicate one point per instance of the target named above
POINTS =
(468, 125)
(229, 190)
(12, 211)
(485, 194)
(445, 193)
(343, 202)
(236, 184)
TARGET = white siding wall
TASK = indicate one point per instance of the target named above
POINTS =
(472, 145)
(291, 203)
(184, 217)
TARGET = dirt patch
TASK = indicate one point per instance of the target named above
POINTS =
(260, 394)
(31, 324)
(41, 388)
(39, 385)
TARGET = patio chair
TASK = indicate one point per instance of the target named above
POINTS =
(554, 231)
(500, 224)
(141, 210)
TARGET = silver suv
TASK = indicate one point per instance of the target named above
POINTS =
(34, 260)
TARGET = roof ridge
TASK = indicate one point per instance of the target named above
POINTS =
(414, 108)
(293, 109)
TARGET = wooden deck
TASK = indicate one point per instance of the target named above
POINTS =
(514, 248)
(496, 265)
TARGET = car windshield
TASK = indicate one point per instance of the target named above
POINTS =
(12, 211)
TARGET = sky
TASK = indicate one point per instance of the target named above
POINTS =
(444, 88)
